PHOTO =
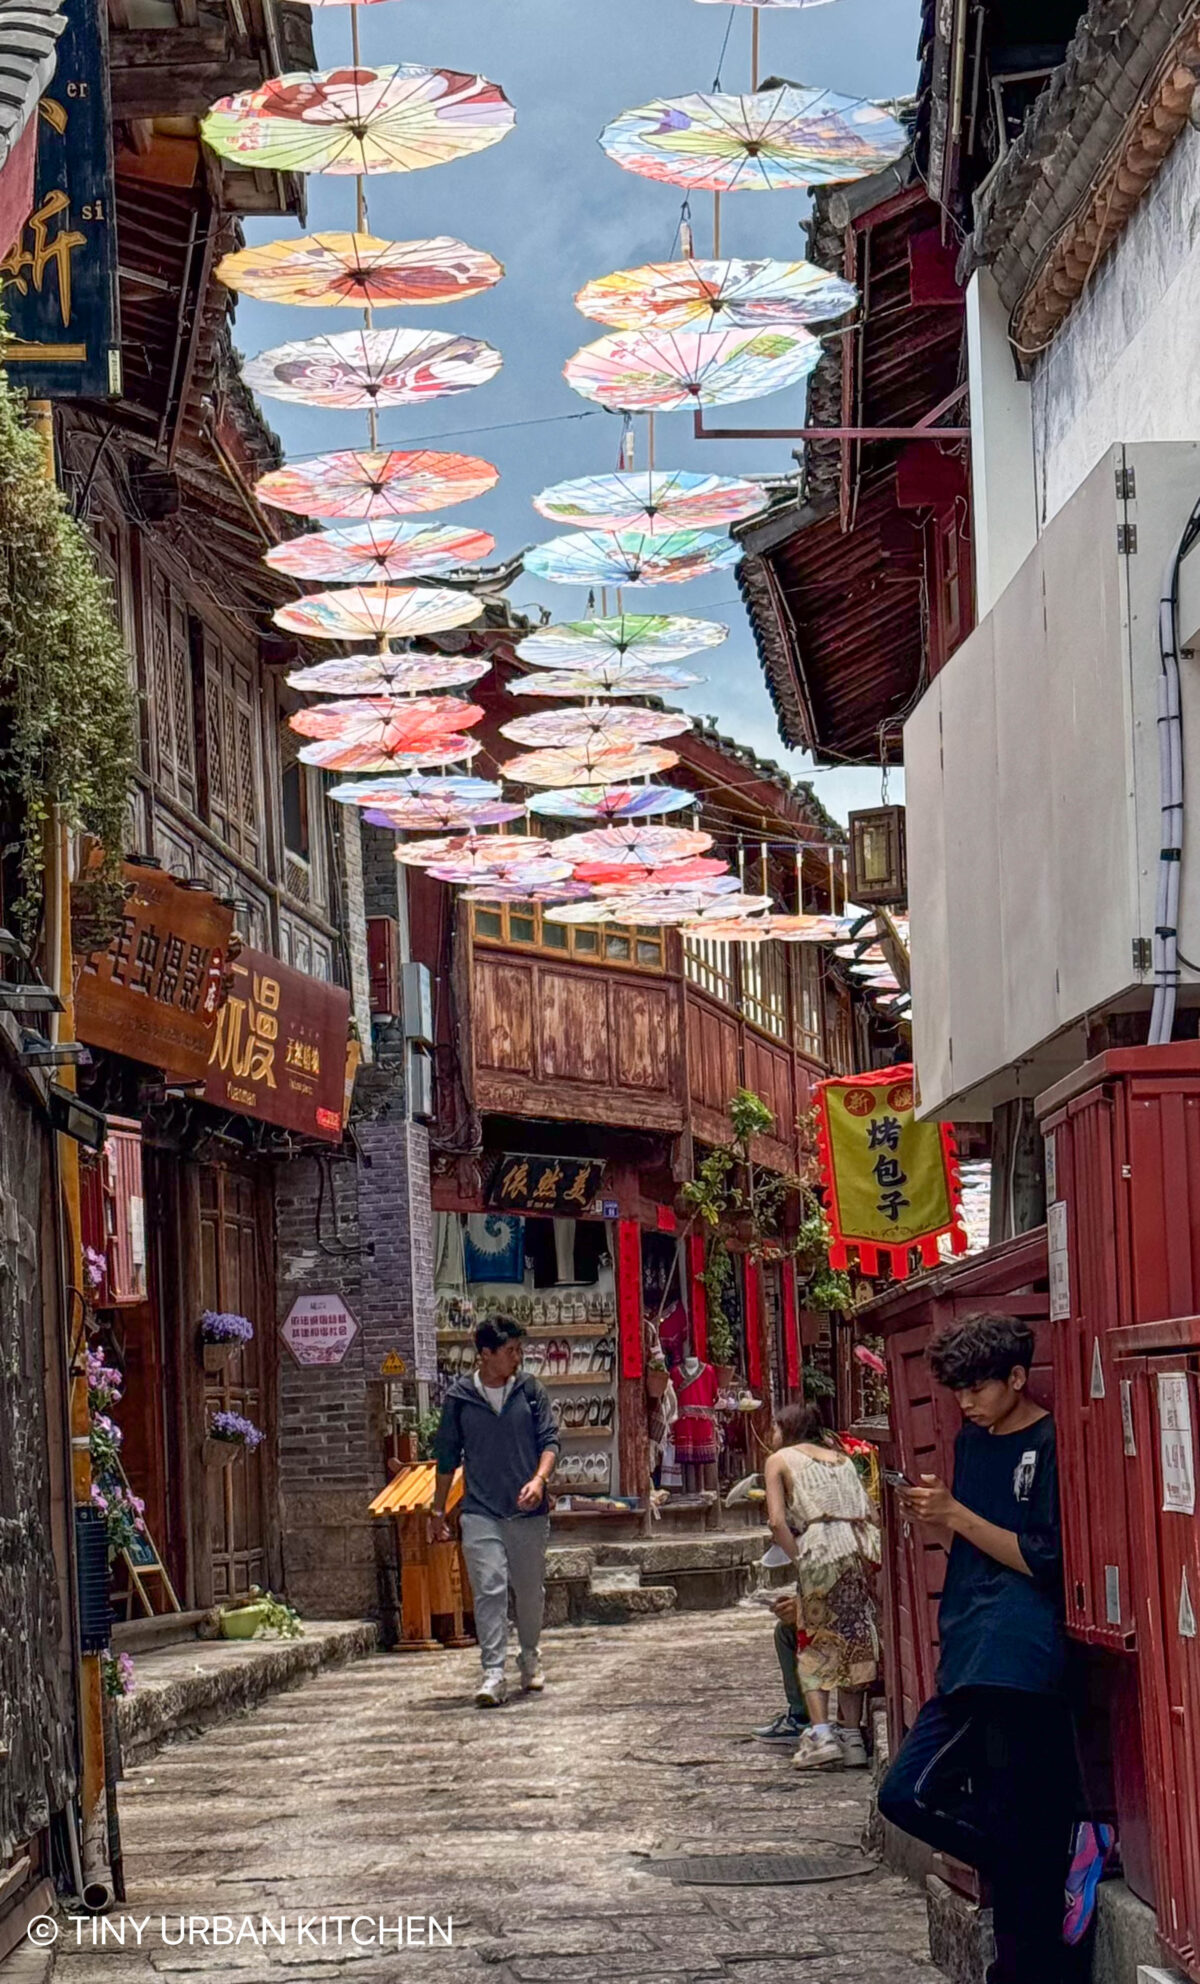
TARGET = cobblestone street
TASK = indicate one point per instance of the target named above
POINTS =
(378, 1790)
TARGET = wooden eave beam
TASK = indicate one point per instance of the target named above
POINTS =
(174, 72)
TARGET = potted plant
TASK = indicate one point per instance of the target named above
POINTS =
(229, 1436)
(261, 1612)
(657, 1375)
(221, 1333)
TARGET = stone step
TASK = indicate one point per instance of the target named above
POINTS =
(621, 1604)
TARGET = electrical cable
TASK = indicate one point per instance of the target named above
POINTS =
(1165, 940)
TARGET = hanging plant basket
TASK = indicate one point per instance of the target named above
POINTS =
(216, 1357)
(222, 1453)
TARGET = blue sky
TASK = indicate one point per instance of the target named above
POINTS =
(550, 205)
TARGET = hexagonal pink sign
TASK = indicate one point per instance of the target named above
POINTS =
(319, 1329)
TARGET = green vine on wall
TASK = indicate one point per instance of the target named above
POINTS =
(66, 696)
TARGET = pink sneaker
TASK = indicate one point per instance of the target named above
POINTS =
(1092, 1850)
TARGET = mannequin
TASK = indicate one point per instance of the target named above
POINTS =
(695, 1430)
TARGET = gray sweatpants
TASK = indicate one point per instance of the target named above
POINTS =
(498, 1554)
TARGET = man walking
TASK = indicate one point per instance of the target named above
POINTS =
(499, 1425)
(987, 1773)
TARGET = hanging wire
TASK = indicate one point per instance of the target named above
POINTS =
(724, 47)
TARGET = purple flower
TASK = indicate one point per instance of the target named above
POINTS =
(232, 1426)
(221, 1326)
(95, 1266)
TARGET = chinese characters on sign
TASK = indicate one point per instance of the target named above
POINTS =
(280, 1048)
(562, 1185)
(319, 1329)
(1175, 1443)
(891, 1183)
(154, 994)
(58, 282)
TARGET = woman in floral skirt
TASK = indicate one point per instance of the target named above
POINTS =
(821, 1516)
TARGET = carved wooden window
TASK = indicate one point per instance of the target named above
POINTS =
(764, 987)
(169, 686)
(232, 758)
(523, 924)
(709, 964)
(810, 1000)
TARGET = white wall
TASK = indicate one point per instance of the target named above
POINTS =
(1126, 367)
(1003, 485)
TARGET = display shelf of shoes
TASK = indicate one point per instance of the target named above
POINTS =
(541, 1334)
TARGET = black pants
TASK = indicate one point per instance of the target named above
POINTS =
(989, 1776)
(785, 1653)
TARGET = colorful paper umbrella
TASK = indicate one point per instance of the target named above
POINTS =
(653, 500)
(497, 892)
(805, 929)
(634, 846)
(389, 726)
(334, 754)
(620, 678)
(488, 850)
(650, 637)
(661, 371)
(630, 557)
(597, 763)
(678, 906)
(604, 724)
(728, 930)
(714, 296)
(326, 271)
(530, 874)
(787, 136)
(610, 802)
(389, 674)
(737, 904)
(355, 369)
(376, 483)
(395, 119)
(674, 875)
(439, 816)
(456, 790)
(389, 612)
(361, 553)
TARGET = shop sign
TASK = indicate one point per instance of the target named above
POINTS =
(891, 1183)
(154, 994)
(319, 1329)
(58, 282)
(562, 1185)
(1175, 1443)
(280, 1048)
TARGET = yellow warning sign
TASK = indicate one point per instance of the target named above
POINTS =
(393, 1366)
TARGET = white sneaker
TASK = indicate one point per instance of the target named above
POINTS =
(533, 1678)
(854, 1750)
(492, 1690)
(815, 1752)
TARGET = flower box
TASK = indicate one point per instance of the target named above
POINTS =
(217, 1355)
(244, 1621)
(222, 1453)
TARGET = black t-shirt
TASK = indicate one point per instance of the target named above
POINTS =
(998, 1628)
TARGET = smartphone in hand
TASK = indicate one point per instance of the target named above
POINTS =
(896, 1480)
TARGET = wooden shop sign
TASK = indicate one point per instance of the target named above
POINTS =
(280, 1048)
(154, 994)
(562, 1185)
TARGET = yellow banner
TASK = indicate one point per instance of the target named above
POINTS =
(888, 1174)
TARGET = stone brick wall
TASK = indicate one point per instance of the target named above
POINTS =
(397, 1236)
(348, 837)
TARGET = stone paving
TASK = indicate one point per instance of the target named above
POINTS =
(377, 1791)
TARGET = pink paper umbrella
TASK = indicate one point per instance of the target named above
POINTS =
(375, 482)
(353, 613)
(364, 554)
(389, 674)
(600, 763)
(601, 723)
(372, 368)
(672, 875)
(517, 874)
(637, 846)
(487, 850)
(334, 754)
(386, 724)
(439, 816)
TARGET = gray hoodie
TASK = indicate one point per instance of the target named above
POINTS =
(499, 1451)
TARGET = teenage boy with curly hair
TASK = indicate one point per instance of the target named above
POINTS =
(988, 1773)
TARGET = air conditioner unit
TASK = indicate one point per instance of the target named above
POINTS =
(416, 1003)
(420, 1084)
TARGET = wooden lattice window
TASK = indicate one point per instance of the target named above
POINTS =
(172, 720)
(233, 766)
(764, 987)
(709, 964)
(810, 1001)
(523, 924)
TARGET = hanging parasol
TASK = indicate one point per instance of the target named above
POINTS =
(712, 296)
(365, 552)
(734, 903)
(630, 557)
(516, 874)
(662, 371)
(603, 724)
(456, 790)
(359, 120)
(494, 892)
(440, 816)
(652, 637)
(389, 612)
(729, 930)
(336, 754)
(661, 908)
(656, 501)
(634, 846)
(389, 726)
(618, 880)
(330, 270)
(388, 674)
(610, 802)
(787, 136)
(587, 763)
(629, 678)
(370, 368)
(375, 482)
(493, 850)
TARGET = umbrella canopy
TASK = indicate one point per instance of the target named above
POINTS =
(729, 929)
(610, 802)
(630, 557)
(439, 816)
(388, 725)
(388, 674)
(608, 724)
(358, 120)
(361, 553)
(651, 908)
(356, 369)
(713, 296)
(593, 763)
(620, 678)
(492, 850)
(328, 271)
(618, 880)
(655, 637)
(785, 136)
(633, 847)
(389, 612)
(656, 501)
(498, 891)
(456, 790)
(515, 874)
(649, 371)
(337, 754)
(375, 482)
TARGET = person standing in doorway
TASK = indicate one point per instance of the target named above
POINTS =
(987, 1773)
(498, 1424)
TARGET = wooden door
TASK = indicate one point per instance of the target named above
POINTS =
(235, 1274)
